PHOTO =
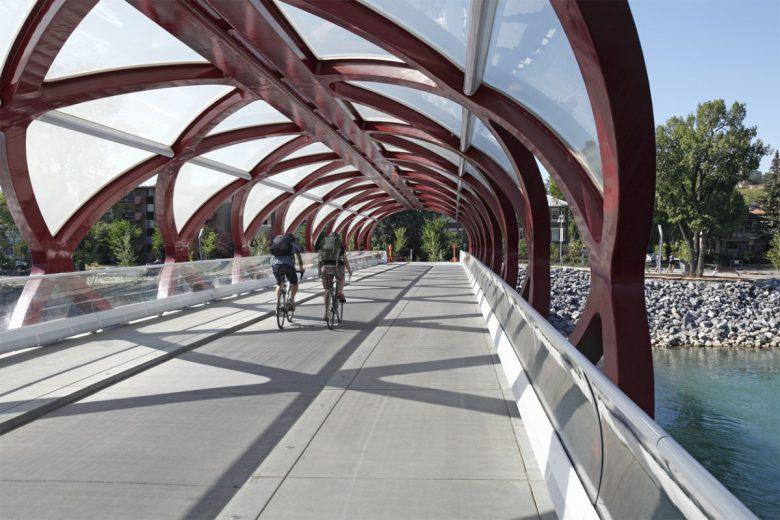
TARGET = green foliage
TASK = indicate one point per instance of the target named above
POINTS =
(574, 252)
(772, 200)
(553, 190)
(555, 253)
(434, 239)
(773, 254)
(158, 245)
(522, 249)
(384, 233)
(260, 244)
(9, 236)
(753, 196)
(209, 243)
(700, 159)
(121, 235)
(399, 239)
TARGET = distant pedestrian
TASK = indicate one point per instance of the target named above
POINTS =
(671, 263)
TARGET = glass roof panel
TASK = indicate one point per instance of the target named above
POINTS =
(442, 23)
(159, 114)
(259, 197)
(321, 214)
(475, 173)
(341, 200)
(246, 156)
(297, 206)
(12, 15)
(358, 221)
(393, 148)
(435, 148)
(62, 180)
(344, 215)
(194, 186)
(254, 114)
(484, 139)
(329, 41)
(295, 175)
(530, 59)
(321, 191)
(115, 35)
(445, 112)
(368, 113)
(359, 205)
(347, 168)
(310, 149)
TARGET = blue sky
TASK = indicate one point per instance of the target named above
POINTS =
(698, 50)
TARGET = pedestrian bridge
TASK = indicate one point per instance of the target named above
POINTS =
(442, 395)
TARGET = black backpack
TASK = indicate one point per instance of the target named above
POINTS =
(281, 246)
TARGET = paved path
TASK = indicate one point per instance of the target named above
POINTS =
(400, 413)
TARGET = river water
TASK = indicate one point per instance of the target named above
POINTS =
(723, 406)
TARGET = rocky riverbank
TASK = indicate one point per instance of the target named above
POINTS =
(684, 313)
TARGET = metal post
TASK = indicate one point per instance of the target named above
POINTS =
(411, 255)
(660, 247)
(560, 237)
(200, 249)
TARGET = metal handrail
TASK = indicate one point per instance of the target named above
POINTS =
(705, 492)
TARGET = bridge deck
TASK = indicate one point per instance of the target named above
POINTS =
(400, 413)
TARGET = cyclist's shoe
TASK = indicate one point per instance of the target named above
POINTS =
(341, 297)
(291, 304)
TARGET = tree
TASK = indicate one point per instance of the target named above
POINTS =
(400, 240)
(700, 160)
(435, 239)
(158, 245)
(209, 243)
(553, 190)
(522, 249)
(773, 189)
(121, 235)
(773, 254)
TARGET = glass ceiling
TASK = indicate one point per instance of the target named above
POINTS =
(531, 60)
(371, 114)
(114, 35)
(484, 139)
(254, 114)
(245, 156)
(159, 115)
(321, 215)
(297, 206)
(442, 23)
(295, 175)
(194, 186)
(358, 221)
(311, 149)
(12, 14)
(329, 41)
(259, 197)
(321, 191)
(92, 143)
(62, 180)
(443, 111)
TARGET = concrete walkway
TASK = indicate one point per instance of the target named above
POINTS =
(400, 413)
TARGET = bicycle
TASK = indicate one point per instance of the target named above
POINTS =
(284, 310)
(334, 308)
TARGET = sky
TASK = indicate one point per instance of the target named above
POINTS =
(698, 50)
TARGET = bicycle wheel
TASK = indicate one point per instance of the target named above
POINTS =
(281, 308)
(331, 310)
(290, 313)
